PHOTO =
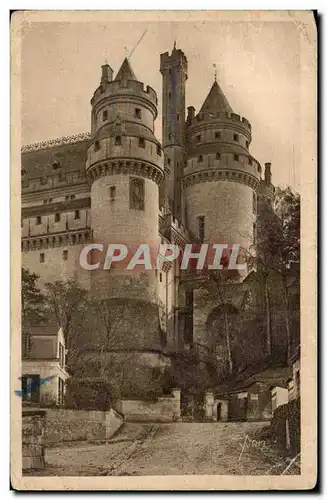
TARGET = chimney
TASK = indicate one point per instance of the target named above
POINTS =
(107, 73)
(268, 173)
(190, 113)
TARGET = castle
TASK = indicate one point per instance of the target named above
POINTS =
(119, 184)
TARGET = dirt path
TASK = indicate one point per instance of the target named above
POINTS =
(178, 448)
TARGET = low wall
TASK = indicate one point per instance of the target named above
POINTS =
(80, 425)
(33, 424)
(164, 409)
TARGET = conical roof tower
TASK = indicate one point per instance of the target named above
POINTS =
(125, 72)
(216, 101)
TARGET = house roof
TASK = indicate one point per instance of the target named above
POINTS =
(46, 329)
(216, 101)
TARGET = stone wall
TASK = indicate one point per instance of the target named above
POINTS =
(164, 409)
(33, 423)
(80, 425)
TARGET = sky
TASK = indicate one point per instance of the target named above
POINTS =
(257, 63)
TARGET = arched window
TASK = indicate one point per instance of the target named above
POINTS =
(136, 194)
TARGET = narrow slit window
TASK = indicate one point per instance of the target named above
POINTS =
(57, 217)
(96, 145)
(158, 150)
(200, 159)
(236, 137)
(42, 258)
(105, 115)
(198, 138)
(77, 214)
(247, 144)
(112, 193)
(201, 227)
(65, 255)
(141, 142)
(138, 113)
(118, 140)
(254, 201)
(38, 220)
(218, 156)
(254, 233)
(217, 135)
(236, 158)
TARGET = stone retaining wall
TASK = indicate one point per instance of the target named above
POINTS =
(80, 425)
(164, 409)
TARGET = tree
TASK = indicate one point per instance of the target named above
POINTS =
(33, 300)
(63, 299)
(278, 247)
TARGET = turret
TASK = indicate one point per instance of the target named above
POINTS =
(221, 176)
(125, 169)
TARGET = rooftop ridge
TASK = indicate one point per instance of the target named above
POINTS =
(58, 141)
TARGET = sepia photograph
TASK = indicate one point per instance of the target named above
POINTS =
(164, 275)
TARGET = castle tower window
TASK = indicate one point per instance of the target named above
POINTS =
(136, 194)
(112, 193)
(254, 203)
(96, 145)
(236, 137)
(57, 217)
(250, 161)
(178, 117)
(74, 239)
(42, 258)
(72, 197)
(201, 227)
(254, 233)
(247, 144)
(105, 115)
(169, 137)
(236, 157)
(160, 277)
(118, 140)
(198, 138)
(168, 161)
(56, 164)
(137, 113)
(77, 214)
(141, 142)
(218, 156)
(65, 255)
(38, 220)
(169, 94)
(200, 159)
(170, 71)
(158, 150)
(45, 202)
(50, 200)
(217, 135)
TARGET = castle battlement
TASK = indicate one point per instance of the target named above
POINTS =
(124, 88)
(223, 116)
(177, 58)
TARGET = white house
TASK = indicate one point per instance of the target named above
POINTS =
(44, 373)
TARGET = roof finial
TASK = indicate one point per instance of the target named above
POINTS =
(215, 72)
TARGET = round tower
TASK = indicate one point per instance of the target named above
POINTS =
(221, 176)
(125, 168)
